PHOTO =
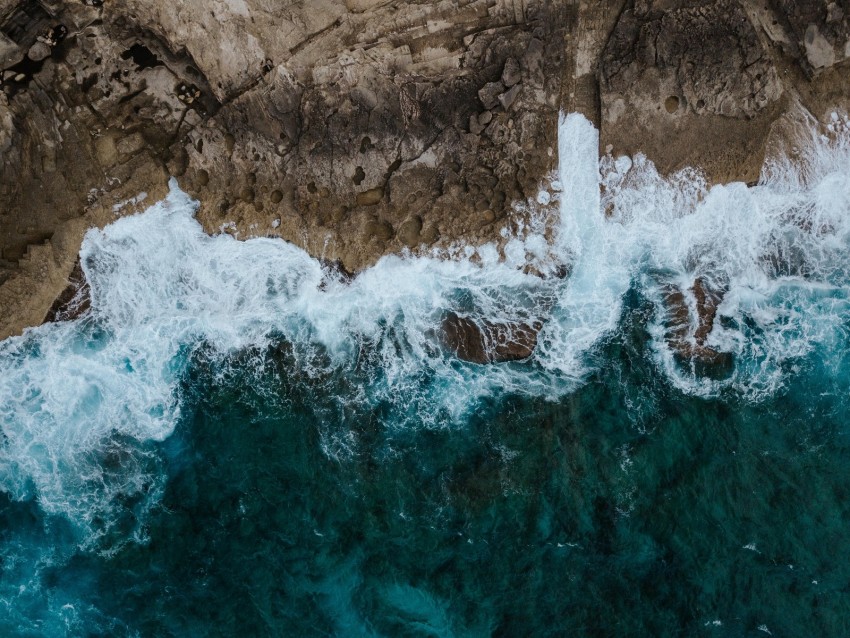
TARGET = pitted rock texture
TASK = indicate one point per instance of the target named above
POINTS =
(700, 72)
(382, 141)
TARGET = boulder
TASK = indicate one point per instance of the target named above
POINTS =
(485, 341)
(687, 338)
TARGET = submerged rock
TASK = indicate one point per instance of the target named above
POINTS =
(687, 339)
(485, 341)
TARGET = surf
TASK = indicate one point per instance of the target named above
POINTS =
(85, 399)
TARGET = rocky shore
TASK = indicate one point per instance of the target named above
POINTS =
(357, 128)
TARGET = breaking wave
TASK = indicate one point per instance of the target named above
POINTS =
(83, 400)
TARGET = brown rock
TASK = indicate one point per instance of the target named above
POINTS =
(370, 197)
(687, 341)
(708, 300)
(75, 299)
(689, 84)
(379, 229)
(488, 342)
(409, 232)
(429, 235)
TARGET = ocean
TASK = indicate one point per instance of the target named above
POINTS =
(234, 441)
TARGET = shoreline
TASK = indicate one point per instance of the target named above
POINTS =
(368, 132)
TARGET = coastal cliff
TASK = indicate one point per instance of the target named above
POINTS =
(359, 128)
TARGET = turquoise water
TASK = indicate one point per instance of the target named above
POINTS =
(227, 444)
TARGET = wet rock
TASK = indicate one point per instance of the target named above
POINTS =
(687, 338)
(485, 342)
(334, 271)
(689, 84)
(349, 126)
(559, 271)
(708, 300)
(75, 299)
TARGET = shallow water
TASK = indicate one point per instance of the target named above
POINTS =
(233, 442)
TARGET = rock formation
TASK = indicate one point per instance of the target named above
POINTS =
(485, 341)
(356, 128)
(687, 330)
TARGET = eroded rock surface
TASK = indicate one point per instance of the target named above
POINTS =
(698, 71)
(688, 328)
(353, 128)
(357, 128)
(74, 301)
(820, 31)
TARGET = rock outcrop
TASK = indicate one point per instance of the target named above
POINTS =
(698, 83)
(74, 301)
(481, 341)
(688, 329)
(356, 128)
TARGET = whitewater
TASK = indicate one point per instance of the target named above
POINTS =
(84, 403)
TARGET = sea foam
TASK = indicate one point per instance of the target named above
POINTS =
(82, 401)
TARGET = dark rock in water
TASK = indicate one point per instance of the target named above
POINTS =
(334, 270)
(488, 342)
(678, 316)
(74, 301)
(689, 346)
(707, 302)
(560, 271)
